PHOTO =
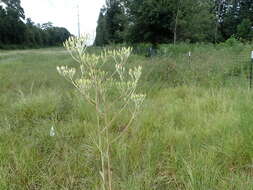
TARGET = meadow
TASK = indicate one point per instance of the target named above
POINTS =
(195, 130)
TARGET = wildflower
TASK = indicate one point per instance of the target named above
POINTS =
(52, 131)
(66, 72)
(96, 85)
(138, 99)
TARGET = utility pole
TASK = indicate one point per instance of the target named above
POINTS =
(78, 21)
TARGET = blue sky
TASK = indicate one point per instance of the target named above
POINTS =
(64, 13)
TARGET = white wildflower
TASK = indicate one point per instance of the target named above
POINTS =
(135, 73)
(84, 85)
(138, 99)
(66, 72)
(52, 131)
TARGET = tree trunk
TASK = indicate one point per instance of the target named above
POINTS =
(217, 22)
(176, 22)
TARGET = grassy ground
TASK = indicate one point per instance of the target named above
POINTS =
(195, 131)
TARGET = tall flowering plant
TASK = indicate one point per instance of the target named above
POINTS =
(95, 84)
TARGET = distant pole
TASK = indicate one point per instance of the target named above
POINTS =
(251, 71)
(78, 21)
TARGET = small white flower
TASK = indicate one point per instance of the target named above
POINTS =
(52, 131)
(66, 72)
(84, 85)
(138, 99)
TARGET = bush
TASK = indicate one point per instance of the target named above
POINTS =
(143, 49)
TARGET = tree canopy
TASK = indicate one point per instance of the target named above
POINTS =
(111, 23)
(170, 21)
(16, 31)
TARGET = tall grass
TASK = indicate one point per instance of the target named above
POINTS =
(195, 131)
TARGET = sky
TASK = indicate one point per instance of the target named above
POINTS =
(63, 13)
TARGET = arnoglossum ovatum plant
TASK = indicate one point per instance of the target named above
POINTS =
(95, 83)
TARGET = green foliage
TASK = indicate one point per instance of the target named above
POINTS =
(235, 18)
(14, 33)
(101, 32)
(195, 131)
(244, 30)
(15, 5)
(196, 21)
(111, 24)
(167, 21)
(143, 49)
(172, 50)
(115, 21)
(151, 21)
(232, 41)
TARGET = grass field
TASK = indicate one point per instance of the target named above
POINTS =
(195, 131)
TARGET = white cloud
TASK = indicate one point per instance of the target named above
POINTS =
(64, 13)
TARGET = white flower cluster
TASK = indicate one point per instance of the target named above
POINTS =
(138, 99)
(135, 74)
(66, 72)
(89, 60)
(128, 87)
(120, 56)
(120, 70)
(93, 80)
(84, 85)
(77, 44)
(105, 91)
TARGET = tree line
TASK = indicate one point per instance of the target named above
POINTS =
(172, 21)
(16, 31)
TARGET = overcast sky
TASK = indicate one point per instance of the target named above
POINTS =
(64, 13)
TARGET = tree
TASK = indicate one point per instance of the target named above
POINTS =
(167, 21)
(56, 35)
(163, 21)
(246, 10)
(14, 26)
(15, 31)
(115, 21)
(235, 18)
(30, 35)
(150, 21)
(176, 20)
(101, 33)
(218, 10)
(244, 30)
(16, 6)
(230, 19)
(112, 23)
(2, 25)
(47, 25)
(197, 21)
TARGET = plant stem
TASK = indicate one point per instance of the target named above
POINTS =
(100, 141)
(108, 146)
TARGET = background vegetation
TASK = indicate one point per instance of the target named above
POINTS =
(16, 31)
(171, 21)
(193, 133)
